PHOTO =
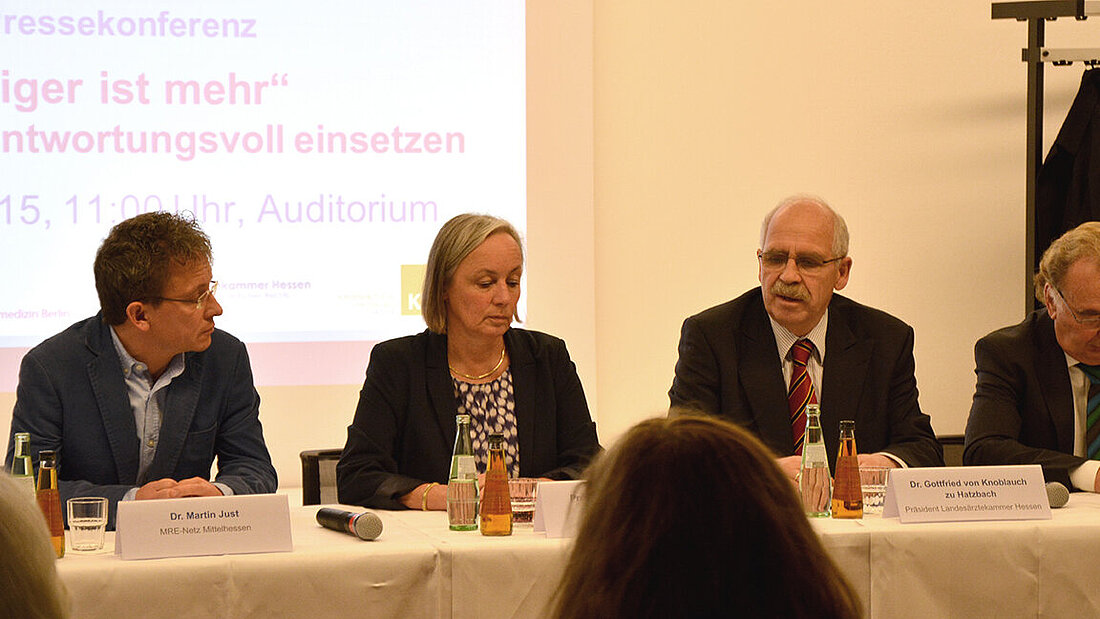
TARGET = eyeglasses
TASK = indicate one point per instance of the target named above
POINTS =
(1088, 321)
(775, 260)
(199, 302)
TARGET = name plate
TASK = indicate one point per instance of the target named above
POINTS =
(188, 527)
(961, 493)
(558, 507)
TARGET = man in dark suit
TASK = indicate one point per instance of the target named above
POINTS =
(139, 399)
(737, 359)
(1038, 382)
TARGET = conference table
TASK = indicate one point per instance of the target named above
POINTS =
(419, 568)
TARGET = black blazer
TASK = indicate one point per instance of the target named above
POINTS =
(729, 365)
(404, 427)
(1023, 402)
(1067, 191)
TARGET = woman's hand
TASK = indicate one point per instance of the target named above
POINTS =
(435, 499)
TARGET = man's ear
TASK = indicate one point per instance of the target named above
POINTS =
(844, 269)
(136, 315)
(1048, 300)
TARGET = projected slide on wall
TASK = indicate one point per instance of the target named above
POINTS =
(321, 145)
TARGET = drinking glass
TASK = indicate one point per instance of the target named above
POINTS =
(872, 479)
(523, 491)
(87, 523)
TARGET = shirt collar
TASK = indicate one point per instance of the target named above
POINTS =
(1070, 361)
(130, 365)
(784, 339)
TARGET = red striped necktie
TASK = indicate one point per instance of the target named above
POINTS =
(801, 391)
(1092, 406)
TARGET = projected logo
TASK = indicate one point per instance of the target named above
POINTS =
(412, 281)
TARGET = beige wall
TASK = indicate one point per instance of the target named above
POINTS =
(662, 132)
(908, 117)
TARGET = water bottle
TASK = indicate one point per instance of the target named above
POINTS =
(462, 481)
(814, 479)
(22, 471)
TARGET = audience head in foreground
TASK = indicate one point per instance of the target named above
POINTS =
(29, 585)
(691, 517)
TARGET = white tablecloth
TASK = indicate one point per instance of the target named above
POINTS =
(416, 568)
(1033, 568)
(419, 568)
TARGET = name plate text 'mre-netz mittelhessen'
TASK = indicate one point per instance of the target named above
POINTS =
(960, 493)
(238, 524)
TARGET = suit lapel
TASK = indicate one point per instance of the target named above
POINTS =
(440, 389)
(761, 376)
(179, 411)
(845, 368)
(1053, 377)
(524, 386)
(105, 375)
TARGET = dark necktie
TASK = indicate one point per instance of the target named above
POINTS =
(1092, 406)
(801, 391)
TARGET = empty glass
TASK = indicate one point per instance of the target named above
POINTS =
(87, 523)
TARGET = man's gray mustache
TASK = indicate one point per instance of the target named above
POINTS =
(791, 291)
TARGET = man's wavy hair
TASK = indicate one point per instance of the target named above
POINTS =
(1081, 242)
(135, 260)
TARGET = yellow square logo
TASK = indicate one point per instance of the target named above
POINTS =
(412, 281)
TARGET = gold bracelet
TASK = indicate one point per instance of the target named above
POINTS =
(424, 497)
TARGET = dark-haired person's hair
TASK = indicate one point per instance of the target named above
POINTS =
(690, 516)
(135, 260)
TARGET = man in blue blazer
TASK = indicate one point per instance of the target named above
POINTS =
(139, 399)
(737, 359)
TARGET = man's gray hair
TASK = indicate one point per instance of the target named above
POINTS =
(840, 228)
(1083, 242)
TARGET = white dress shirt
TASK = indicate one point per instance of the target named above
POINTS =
(1084, 476)
(785, 340)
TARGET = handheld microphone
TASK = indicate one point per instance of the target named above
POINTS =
(1057, 494)
(366, 525)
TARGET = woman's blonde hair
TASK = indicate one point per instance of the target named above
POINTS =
(458, 238)
(29, 585)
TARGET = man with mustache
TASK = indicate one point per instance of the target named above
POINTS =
(760, 358)
(139, 399)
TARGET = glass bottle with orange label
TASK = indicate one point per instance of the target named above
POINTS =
(49, 500)
(496, 502)
(847, 491)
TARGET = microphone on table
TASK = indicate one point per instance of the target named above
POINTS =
(366, 525)
(1057, 494)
